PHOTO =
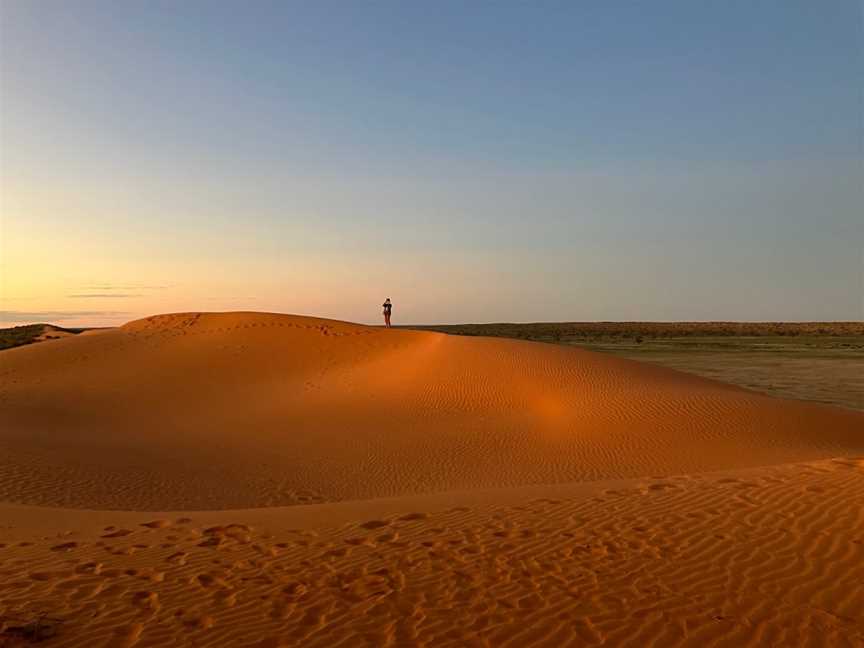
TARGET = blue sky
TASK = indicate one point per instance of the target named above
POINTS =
(480, 161)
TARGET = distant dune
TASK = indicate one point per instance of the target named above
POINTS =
(235, 410)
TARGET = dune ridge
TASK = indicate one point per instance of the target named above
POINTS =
(198, 411)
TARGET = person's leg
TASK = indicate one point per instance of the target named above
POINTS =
(387, 319)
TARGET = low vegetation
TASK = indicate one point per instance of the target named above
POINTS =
(30, 333)
(584, 331)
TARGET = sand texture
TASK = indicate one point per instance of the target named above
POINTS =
(248, 479)
(239, 410)
(767, 557)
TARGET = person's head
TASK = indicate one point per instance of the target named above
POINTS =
(387, 301)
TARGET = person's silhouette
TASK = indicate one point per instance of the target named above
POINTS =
(388, 307)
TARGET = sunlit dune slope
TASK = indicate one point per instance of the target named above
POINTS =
(229, 410)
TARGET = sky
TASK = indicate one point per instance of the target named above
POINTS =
(473, 161)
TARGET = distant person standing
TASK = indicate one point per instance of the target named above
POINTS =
(388, 307)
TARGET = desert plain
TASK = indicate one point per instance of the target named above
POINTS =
(255, 479)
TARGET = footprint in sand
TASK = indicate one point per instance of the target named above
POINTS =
(213, 541)
(662, 486)
(92, 568)
(66, 546)
(411, 517)
(146, 600)
(339, 552)
(119, 533)
(362, 540)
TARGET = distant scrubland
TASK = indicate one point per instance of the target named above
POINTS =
(561, 330)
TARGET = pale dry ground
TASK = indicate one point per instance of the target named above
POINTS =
(761, 557)
(568, 495)
(824, 369)
(238, 410)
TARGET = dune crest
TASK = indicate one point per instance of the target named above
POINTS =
(197, 411)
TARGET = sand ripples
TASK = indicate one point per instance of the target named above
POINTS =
(772, 556)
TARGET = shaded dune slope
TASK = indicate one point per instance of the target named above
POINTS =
(234, 410)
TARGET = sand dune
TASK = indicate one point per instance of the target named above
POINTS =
(456, 492)
(237, 410)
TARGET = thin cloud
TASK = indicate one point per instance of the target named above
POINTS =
(109, 287)
(105, 295)
(43, 316)
(230, 299)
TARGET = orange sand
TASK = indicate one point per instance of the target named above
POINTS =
(458, 491)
